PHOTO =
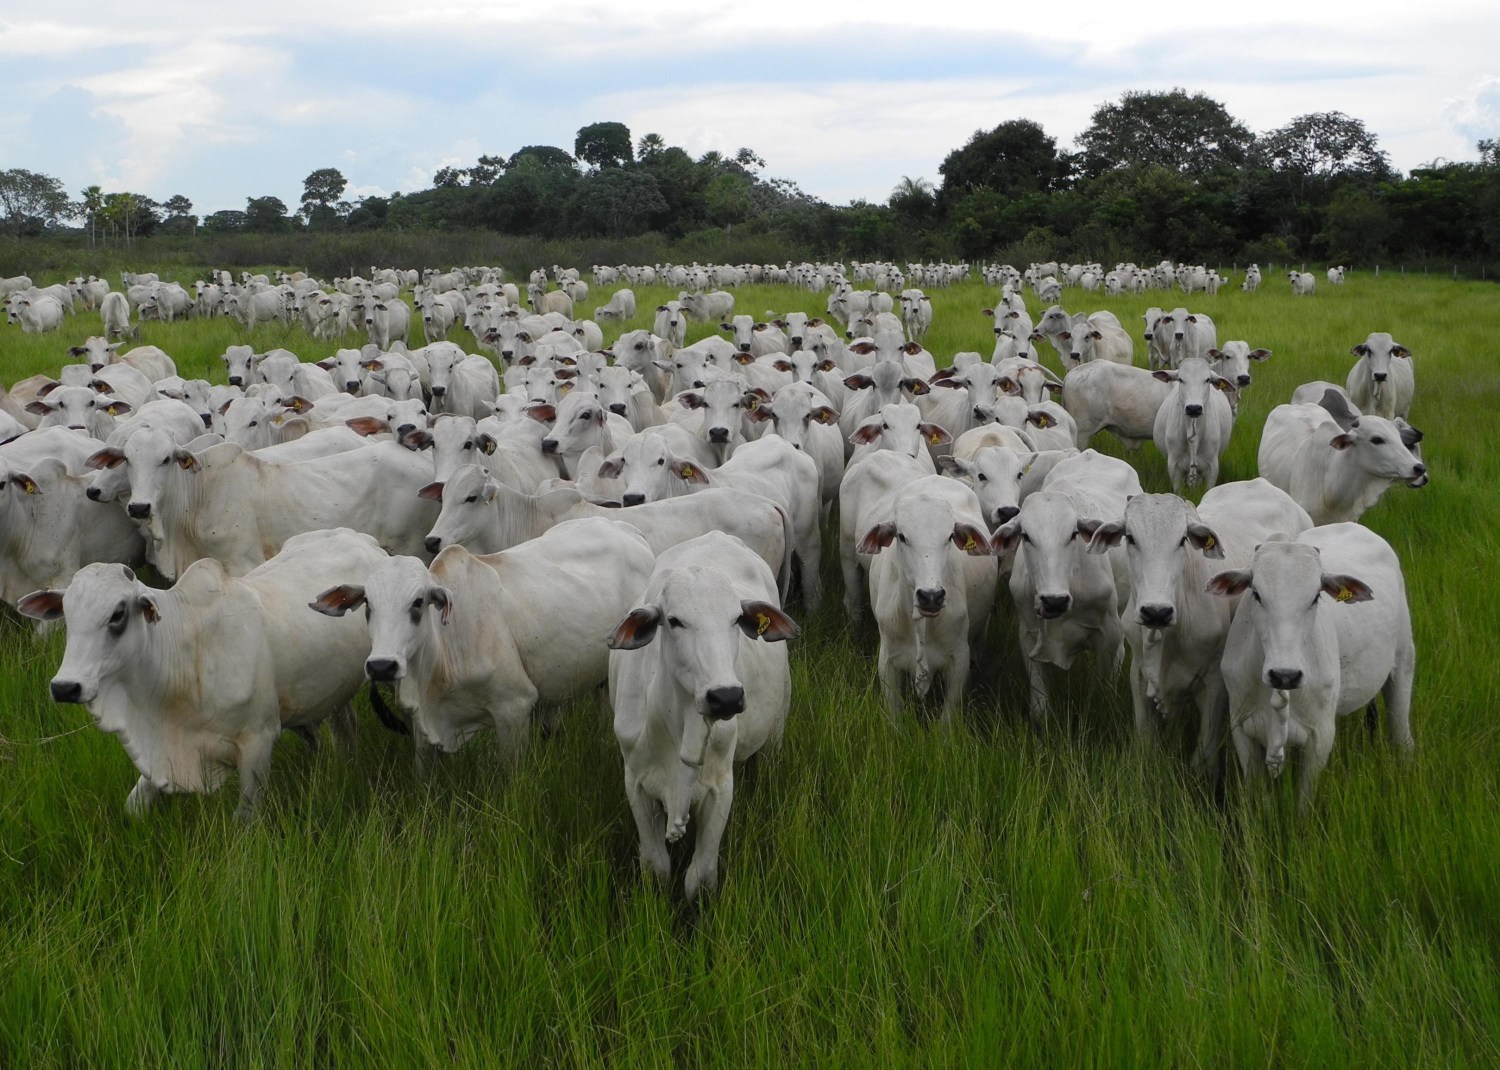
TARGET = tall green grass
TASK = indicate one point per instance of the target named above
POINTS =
(894, 894)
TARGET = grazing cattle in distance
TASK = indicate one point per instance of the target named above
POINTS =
(1303, 284)
(1382, 382)
(263, 663)
(1326, 630)
(699, 682)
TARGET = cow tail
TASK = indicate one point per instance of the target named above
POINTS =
(387, 715)
(789, 542)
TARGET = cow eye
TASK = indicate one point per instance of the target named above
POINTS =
(468, 445)
(900, 537)
(1183, 541)
(673, 622)
(1255, 594)
(660, 461)
(1129, 540)
(983, 478)
(1378, 440)
(471, 499)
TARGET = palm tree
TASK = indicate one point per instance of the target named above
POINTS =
(910, 187)
(93, 200)
(650, 147)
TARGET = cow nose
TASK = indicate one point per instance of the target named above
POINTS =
(381, 668)
(404, 428)
(1285, 679)
(549, 445)
(1193, 410)
(66, 691)
(351, 385)
(930, 600)
(439, 391)
(1242, 380)
(236, 380)
(138, 510)
(507, 353)
(1177, 335)
(797, 342)
(618, 409)
(744, 347)
(1380, 377)
(716, 434)
(94, 494)
(1006, 513)
(433, 544)
(633, 499)
(724, 702)
(1156, 616)
(1054, 605)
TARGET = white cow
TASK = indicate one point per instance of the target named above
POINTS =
(621, 306)
(114, 311)
(1185, 334)
(711, 307)
(477, 641)
(1193, 423)
(698, 681)
(1336, 472)
(801, 414)
(1112, 397)
(387, 321)
(1068, 600)
(671, 324)
(1303, 284)
(260, 662)
(1295, 660)
(462, 385)
(1382, 382)
(1174, 626)
(932, 585)
(1233, 360)
(38, 315)
(1252, 279)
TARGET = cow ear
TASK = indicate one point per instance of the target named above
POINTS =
(1215, 354)
(374, 364)
(877, 538)
(990, 312)
(1105, 534)
(1053, 388)
(433, 492)
(488, 491)
(1203, 538)
(416, 440)
(862, 348)
(48, 387)
(150, 610)
(762, 620)
(117, 408)
(1008, 385)
(865, 433)
(541, 412)
(935, 435)
(1164, 376)
(486, 443)
(760, 412)
(336, 601)
(689, 400)
(824, 415)
(443, 599)
(38, 408)
(743, 358)
(636, 630)
(1346, 588)
(1342, 442)
(327, 364)
(1260, 354)
(109, 457)
(726, 327)
(661, 308)
(367, 425)
(689, 472)
(1229, 584)
(827, 364)
(1006, 536)
(955, 467)
(816, 321)
(612, 467)
(916, 387)
(41, 605)
(1359, 350)
(859, 381)
(76, 351)
(971, 540)
(1400, 351)
(947, 380)
(186, 460)
(298, 404)
(783, 365)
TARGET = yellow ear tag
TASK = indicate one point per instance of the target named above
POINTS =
(970, 546)
(1044, 421)
(1208, 543)
(30, 487)
(687, 471)
(762, 622)
(1344, 595)
(935, 438)
(754, 404)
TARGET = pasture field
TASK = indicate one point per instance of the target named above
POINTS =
(893, 894)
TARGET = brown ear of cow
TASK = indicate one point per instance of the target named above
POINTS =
(877, 539)
(762, 620)
(636, 630)
(433, 492)
(41, 605)
(336, 601)
(367, 425)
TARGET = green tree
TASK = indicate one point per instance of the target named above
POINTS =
(546, 155)
(913, 200)
(602, 145)
(486, 170)
(179, 214)
(31, 201)
(321, 191)
(1190, 133)
(92, 203)
(266, 215)
(650, 148)
(228, 221)
(1014, 159)
(617, 202)
(728, 200)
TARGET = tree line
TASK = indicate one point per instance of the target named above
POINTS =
(1155, 174)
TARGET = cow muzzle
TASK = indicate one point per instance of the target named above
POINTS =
(1193, 411)
(1284, 679)
(930, 601)
(722, 703)
(633, 499)
(432, 544)
(1052, 606)
(66, 691)
(618, 409)
(382, 670)
(549, 445)
(1156, 616)
(137, 510)
(716, 435)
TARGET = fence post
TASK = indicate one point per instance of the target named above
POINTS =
(1377, 271)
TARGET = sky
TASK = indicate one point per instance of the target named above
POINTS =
(225, 102)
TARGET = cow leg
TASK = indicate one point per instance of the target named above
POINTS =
(712, 817)
(1398, 702)
(853, 588)
(890, 683)
(512, 719)
(342, 724)
(1038, 701)
(254, 766)
(1212, 703)
(955, 674)
(1251, 754)
(424, 754)
(141, 797)
(651, 828)
(1145, 709)
(810, 558)
(1314, 757)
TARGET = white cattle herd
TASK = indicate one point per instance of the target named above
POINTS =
(549, 518)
